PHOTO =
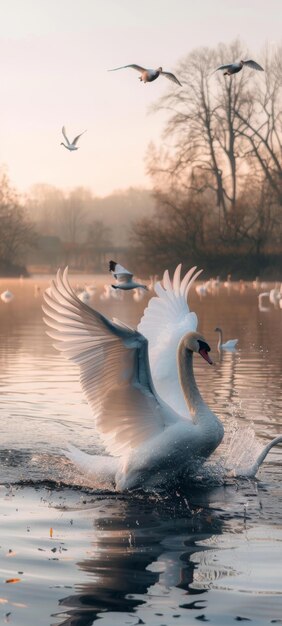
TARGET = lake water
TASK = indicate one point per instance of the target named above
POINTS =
(75, 555)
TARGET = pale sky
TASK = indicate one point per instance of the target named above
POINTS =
(54, 58)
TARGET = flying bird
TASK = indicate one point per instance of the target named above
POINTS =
(147, 76)
(70, 145)
(123, 277)
(234, 68)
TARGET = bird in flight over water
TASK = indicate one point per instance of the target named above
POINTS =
(70, 145)
(147, 76)
(234, 68)
(123, 277)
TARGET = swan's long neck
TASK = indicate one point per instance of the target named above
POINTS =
(252, 470)
(219, 344)
(211, 428)
(188, 383)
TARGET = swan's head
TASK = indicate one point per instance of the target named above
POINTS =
(196, 343)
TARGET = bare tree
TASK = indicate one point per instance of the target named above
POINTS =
(17, 233)
(261, 123)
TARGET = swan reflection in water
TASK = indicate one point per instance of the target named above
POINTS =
(141, 560)
(153, 559)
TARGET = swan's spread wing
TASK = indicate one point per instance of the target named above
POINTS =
(253, 65)
(121, 274)
(224, 67)
(166, 319)
(65, 135)
(139, 68)
(171, 76)
(77, 138)
(114, 370)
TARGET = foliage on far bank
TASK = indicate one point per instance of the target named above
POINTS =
(217, 177)
(17, 233)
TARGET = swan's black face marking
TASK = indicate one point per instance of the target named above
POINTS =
(204, 349)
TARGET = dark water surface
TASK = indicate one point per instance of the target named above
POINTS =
(212, 554)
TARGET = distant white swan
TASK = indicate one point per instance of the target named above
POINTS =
(275, 295)
(70, 145)
(109, 292)
(124, 278)
(261, 296)
(146, 75)
(228, 345)
(138, 294)
(7, 296)
(149, 443)
(234, 68)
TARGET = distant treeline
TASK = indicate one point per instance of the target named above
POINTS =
(216, 198)
(217, 177)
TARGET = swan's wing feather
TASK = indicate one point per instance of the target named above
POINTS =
(169, 310)
(171, 77)
(165, 321)
(77, 138)
(114, 369)
(253, 65)
(65, 135)
(139, 68)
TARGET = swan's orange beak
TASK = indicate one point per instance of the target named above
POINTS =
(205, 355)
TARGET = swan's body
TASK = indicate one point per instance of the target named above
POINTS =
(147, 75)
(234, 68)
(201, 290)
(138, 294)
(151, 444)
(275, 295)
(109, 292)
(228, 345)
(261, 296)
(71, 145)
(91, 289)
(84, 296)
(227, 283)
(7, 296)
(124, 278)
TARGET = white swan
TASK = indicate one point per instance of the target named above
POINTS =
(228, 345)
(7, 296)
(71, 145)
(146, 75)
(263, 294)
(201, 290)
(109, 292)
(275, 295)
(138, 294)
(84, 296)
(165, 321)
(234, 68)
(151, 443)
(124, 278)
